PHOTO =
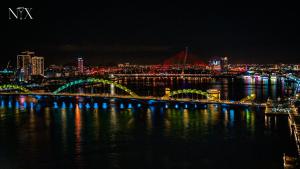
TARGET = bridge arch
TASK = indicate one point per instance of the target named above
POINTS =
(6, 87)
(94, 80)
(188, 91)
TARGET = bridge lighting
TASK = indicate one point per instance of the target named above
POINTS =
(231, 115)
(186, 106)
(166, 106)
(176, 106)
(121, 106)
(63, 105)
(31, 105)
(17, 105)
(139, 105)
(96, 106)
(195, 106)
(55, 105)
(80, 105)
(129, 106)
(104, 105)
(71, 105)
(2, 104)
(25, 105)
(87, 106)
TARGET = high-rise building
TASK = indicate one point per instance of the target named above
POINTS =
(80, 65)
(37, 65)
(224, 64)
(215, 63)
(24, 65)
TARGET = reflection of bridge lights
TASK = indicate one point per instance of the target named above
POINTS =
(71, 105)
(104, 105)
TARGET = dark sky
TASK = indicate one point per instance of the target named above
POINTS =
(148, 32)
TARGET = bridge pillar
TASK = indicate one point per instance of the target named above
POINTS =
(112, 89)
(112, 86)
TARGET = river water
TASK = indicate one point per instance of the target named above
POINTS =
(43, 132)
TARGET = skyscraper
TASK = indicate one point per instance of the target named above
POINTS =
(37, 65)
(24, 65)
(80, 65)
(224, 64)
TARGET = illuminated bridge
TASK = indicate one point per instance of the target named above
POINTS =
(296, 80)
(93, 87)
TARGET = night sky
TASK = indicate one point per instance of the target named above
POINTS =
(150, 32)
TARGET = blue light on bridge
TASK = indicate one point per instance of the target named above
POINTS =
(25, 105)
(166, 106)
(55, 105)
(186, 106)
(225, 105)
(71, 105)
(195, 106)
(224, 110)
(38, 97)
(9, 104)
(231, 115)
(96, 106)
(121, 106)
(104, 105)
(176, 106)
(129, 106)
(139, 105)
(63, 105)
(87, 106)
(31, 105)
(17, 105)
(151, 101)
(2, 104)
(80, 105)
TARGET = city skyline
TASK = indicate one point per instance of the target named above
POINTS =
(147, 34)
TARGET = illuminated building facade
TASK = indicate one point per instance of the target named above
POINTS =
(37, 65)
(24, 66)
(80, 65)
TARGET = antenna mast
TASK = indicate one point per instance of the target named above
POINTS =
(185, 58)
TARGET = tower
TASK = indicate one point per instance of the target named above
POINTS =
(80, 65)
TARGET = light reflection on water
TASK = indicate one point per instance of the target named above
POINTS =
(86, 137)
